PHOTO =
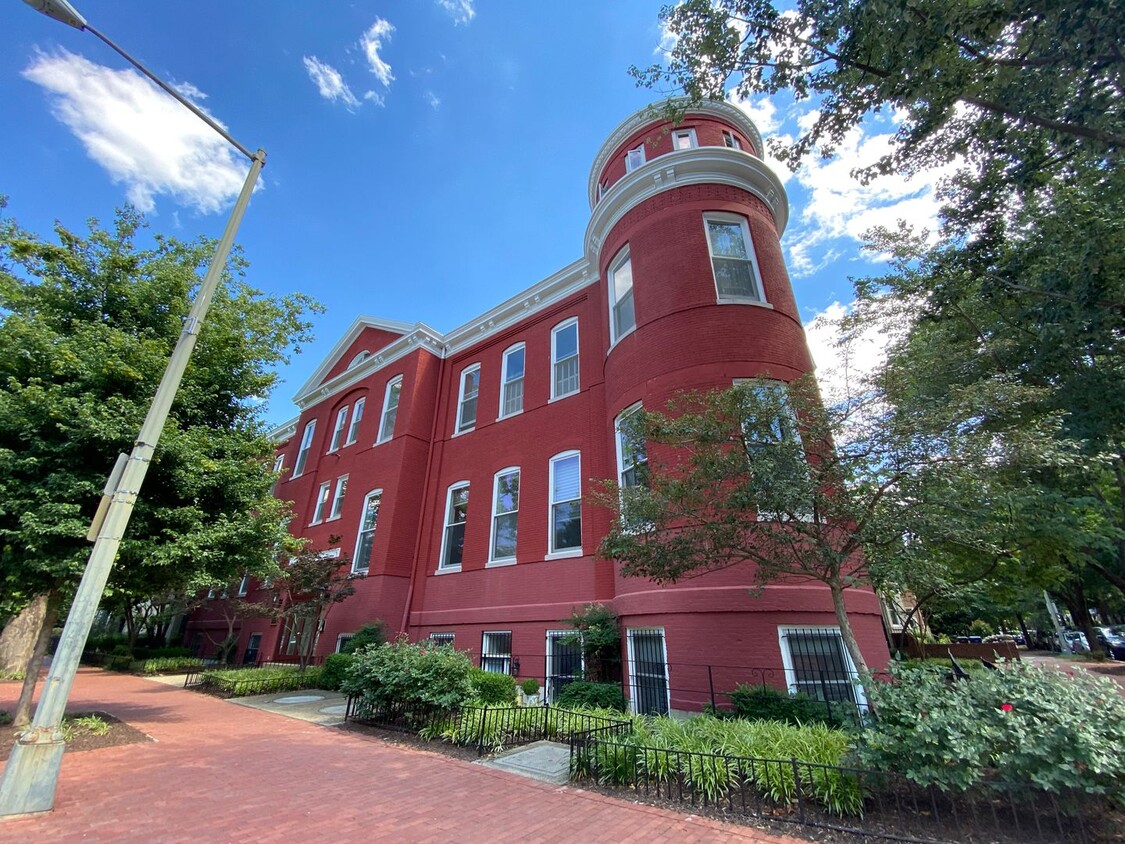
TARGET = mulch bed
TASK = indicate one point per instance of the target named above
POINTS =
(119, 733)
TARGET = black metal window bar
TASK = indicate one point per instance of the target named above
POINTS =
(820, 667)
(442, 638)
(648, 672)
(496, 651)
(564, 663)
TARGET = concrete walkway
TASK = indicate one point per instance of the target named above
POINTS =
(222, 772)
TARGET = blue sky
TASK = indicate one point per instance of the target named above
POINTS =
(427, 158)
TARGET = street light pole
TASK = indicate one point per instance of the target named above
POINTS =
(32, 771)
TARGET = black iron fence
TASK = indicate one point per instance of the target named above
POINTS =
(865, 803)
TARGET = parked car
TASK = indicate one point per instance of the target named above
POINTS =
(1112, 640)
(1074, 642)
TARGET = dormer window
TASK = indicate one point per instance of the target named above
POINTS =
(358, 359)
(634, 158)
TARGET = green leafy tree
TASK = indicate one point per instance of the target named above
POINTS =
(597, 633)
(87, 324)
(303, 592)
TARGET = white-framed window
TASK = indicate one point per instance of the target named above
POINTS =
(776, 422)
(632, 464)
(358, 359)
(620, 277)
(564, 359)
(505, 515)
(357, 417)
(731, 140)
(322, 495)
(390, 410)
(338, 428)
(442, 638)
(565, 662)
(453, 534)
(634, 158)
(243, 585)
(338, 497)
(733, 262)
(303, 451)
(467, 398)
(342, 640)
(365, 541)
(496, 651)
(818, 665)
(649, 687)
(511, 384)
(566, 503)
(684, 139)
(278, 464)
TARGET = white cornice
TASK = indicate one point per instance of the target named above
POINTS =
(284, 431)
(420, 337)
(542, 295)
(654, 114)
(354, 330)
(702, 165)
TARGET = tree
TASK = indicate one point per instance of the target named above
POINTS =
(87, 325)
(598, 635)
(304, 591)
(1018, 90)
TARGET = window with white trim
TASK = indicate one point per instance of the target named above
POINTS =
(566, 502)
(775, 421)
(511, 381)
(564, 359)
(620, 277)
(442, 638)
(683, 139)
(358, 359)
(338, 498)
(817, 664)
(731, 140)
(496, 651)
(634, 158)
(342, 641)
(390, 410)
(733, 262)
(322, 495)
(453, 534)
(357, 417)
(467, 399)
(243, 585)
(632, 464)
(338, 428)
(505, 515)
(303, 452)
(365, 541)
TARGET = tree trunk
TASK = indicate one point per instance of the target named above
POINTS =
(1023, 629)
(846, 631)
(22, 715)
(17, 642)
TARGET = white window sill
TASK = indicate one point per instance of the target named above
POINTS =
(499, 564)
(360, 571)
(380, 442)
(448, 570)
(510, 415)
(333, 519)
(562, 555)
(737, 300)
(466, 431)
(613, 345)
(567, 396)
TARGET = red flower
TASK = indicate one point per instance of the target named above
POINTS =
(1006, 707)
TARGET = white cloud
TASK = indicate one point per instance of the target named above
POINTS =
(329, 82)
(143, 138)
(433, 100)
(462, 11)
(372, 42)
(842, 367)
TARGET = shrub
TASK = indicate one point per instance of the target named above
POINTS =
(493, 689)
(766, 703)
(1016, 724)
(580, 694)
(238, 682)
(374, 633)
(400, 673)
(335, 669)
(170, 664)
(162, 652)
(530, 686)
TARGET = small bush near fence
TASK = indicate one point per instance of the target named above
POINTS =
(584, 695)
(334, 670)
(400, 673)
(1018, 723)
(491, 688)
(169, 665)
(766, 703)
(236, 682)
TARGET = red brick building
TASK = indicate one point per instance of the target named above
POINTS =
(454, 466)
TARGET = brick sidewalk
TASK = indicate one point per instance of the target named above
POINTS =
(224, 773)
